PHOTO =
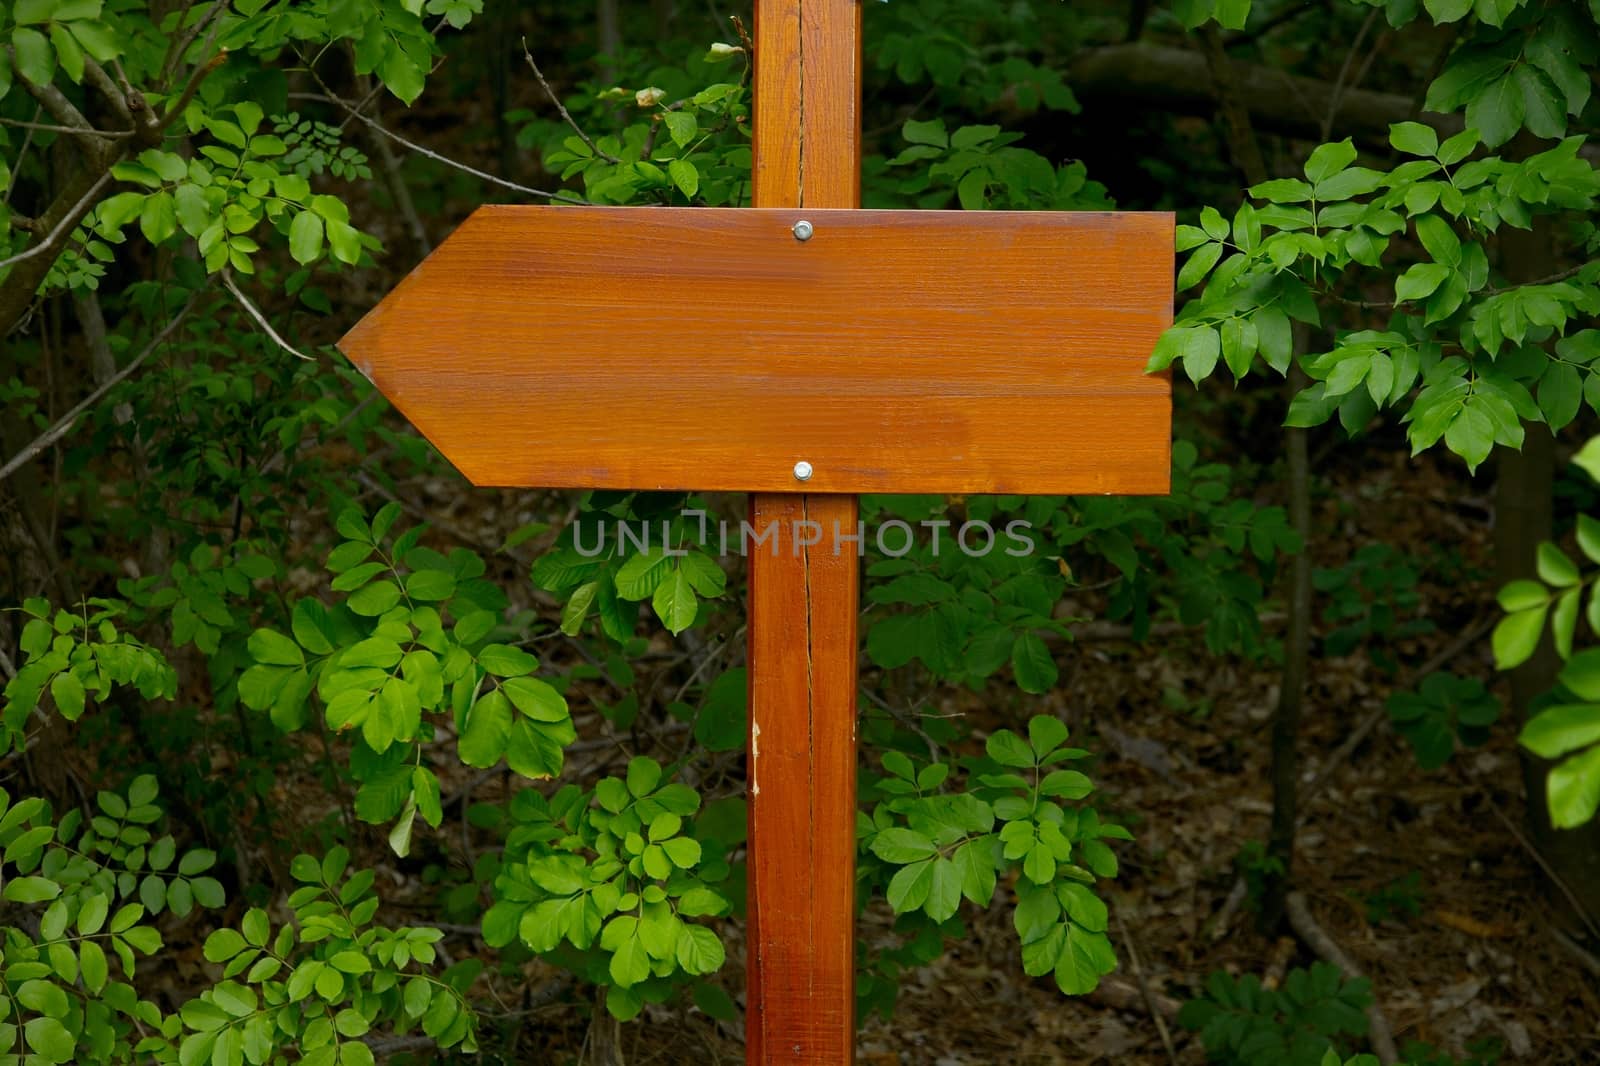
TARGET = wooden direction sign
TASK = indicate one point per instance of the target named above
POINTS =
(710, 349)
(893, 351)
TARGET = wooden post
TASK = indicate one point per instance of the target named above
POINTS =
(800, 1005)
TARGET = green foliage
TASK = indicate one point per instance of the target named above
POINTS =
(410, 635)
(1568, 727)
(75, 658)
(629, 547)
(1257, 868)
(93, 888)
(1372, 600)
(691, 143)
(936, 845)
(1396, 901)
(1243, 1023)
(981, 168)
(1461, 359)
(325, 980)
(601, 881)
(1443, 710)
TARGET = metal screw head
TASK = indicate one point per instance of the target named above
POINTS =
(802, 230)
(802, 471)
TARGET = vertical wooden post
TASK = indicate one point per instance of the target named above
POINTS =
(804, 600)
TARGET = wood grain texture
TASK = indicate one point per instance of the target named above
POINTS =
(804, 600)
(896, 351)
(800, 1002)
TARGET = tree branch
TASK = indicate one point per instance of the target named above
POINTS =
(334, 98)
(65, 226)
(1178, 79)
(554, 99)
(55, 102)
(64, 425)
(260, 319)
(1301, 921)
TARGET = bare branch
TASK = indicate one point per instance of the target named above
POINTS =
(46, 127)
(55, 102)
(65, 423)
(180, 45)
(333, 98)
(1301, 921)
(260, 319)
(561, 107)
(68, 222)
(199, 75)
(96, 76)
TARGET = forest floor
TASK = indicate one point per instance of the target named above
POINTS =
(1468, 962)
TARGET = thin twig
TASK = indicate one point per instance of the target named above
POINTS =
(333, 98)
(1527, 845)
(1336, 98)
(260, 319)
(1302, 922)
(1144, 986)
(64, 424)
(46, 127)
(561, 107)
(1469, 636)
(68, 223)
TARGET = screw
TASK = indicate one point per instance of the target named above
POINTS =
(802, 471)
(803, 230)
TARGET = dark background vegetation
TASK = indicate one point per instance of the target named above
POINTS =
(1283, 676)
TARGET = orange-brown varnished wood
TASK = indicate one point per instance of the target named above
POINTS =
(895, 351)
(800, 1003)
(804, 601)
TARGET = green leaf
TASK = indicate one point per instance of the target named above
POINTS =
(1033, 665)
(908, 889)
(68, 53)
(1573, 789)
(305, 237)
(944, 891)
(1554, 567)
(699, 950)
(685, 176)
(67, 691)
(374, 599)
(50, 1039)
(31, 890)
(223, 945)
(483, 741)
(929, 132)
(158, 219)
(343, 239)
(502, 660)
(35, 59)
(1561, 730)
(681, 126)
(1498, 111)
(1414, 138)
(1588, 458)
(1328, 159)
(1522, 595)
(674, 601)
(901, 846)
(1446, 11)
(273, 648)
(1199, 263)
(1008, 749)
(537, 699)
(1544, 105)
(1516, 637)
